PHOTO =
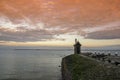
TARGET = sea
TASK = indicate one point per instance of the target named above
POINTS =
(34, 64)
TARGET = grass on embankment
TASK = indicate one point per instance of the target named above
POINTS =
(82, 68)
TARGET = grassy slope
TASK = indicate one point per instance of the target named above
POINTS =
(85, 69)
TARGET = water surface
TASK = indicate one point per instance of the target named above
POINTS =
(31, 64)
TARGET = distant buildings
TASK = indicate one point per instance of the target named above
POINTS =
(77, 47)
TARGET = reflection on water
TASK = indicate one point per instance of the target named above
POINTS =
(31, 65)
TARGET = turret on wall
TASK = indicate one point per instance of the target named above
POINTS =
(77, 47)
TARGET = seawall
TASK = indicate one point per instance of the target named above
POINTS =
(79, 67)
(66, 74)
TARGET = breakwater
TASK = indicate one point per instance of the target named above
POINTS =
(80, 67)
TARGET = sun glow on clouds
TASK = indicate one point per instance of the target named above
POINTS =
(50, 22)
(5, 22)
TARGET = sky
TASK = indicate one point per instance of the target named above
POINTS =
(58, 22)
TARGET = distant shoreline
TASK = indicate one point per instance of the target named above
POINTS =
(70, 49)
(47, 49)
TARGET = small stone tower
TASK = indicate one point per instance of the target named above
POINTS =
(77, 47)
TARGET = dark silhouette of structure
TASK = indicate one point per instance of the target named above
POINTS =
(77, 47)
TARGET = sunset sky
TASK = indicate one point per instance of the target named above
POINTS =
(58, 22)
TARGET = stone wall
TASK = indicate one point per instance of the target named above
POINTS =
(66, 75)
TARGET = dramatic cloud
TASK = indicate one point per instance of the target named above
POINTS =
(106, 34)
(107, 31)
(36, 20)
(24, 35)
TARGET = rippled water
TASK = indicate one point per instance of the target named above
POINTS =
(31, 64)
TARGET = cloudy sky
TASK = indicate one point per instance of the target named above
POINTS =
(59, 22)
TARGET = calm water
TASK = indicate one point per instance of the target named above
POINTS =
(31, 64)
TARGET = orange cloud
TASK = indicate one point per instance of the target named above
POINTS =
(59, 17)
